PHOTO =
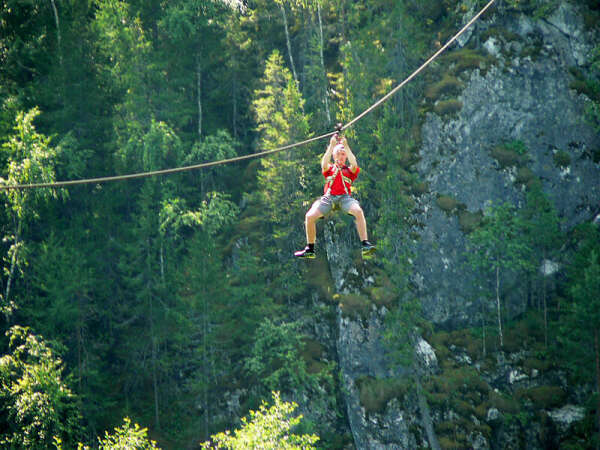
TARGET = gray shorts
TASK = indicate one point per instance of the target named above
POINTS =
(325, 203)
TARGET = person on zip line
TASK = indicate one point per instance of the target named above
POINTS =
(337, 191)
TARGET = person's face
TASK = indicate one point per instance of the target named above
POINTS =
(340, 157)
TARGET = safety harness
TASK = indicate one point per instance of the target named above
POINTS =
(331, 178)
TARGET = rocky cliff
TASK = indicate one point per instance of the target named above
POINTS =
(518, 91)
(524, 96)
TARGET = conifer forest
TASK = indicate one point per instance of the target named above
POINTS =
(168, 311)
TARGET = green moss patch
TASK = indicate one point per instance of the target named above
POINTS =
(318, 276)
(503, 403)
(447, 204)
(523, 335)
(382, 296)
(354, 305)
(500, 32)
(469, 221)
(375, 393)
(450, 444)
(544, 397)
(562, 159)
(461, 379)
(448, 107)
(525, 176)
(541, 365)
(448, 85)
(467, 59)
(506, 156)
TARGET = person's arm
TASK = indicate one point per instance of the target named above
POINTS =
(326, 159)
(351, 157)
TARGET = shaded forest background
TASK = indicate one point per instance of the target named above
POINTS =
(157, 299)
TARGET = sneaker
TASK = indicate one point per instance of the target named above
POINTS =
(307, 252)
(368, 249)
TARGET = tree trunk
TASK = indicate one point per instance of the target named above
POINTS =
(14, 261)
(58, 36)
(162, 262)
(327, 113)
(545, 305)
(235, 107)
(289, 44)
(152, 337)
(498, 307)
(154, 364)
(426, 417)
(204, 354)
(597, 354)
(79, 339)
(483, 328)
(199, 93)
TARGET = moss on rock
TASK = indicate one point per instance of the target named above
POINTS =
(506, 157)
(544, 397)
(525, 176)
(375, 393)
(448, 85)
(562, 159)
(469, 221)
(448, 107)
(447, 204)
(354, 305)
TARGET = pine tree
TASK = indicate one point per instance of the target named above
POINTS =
(498, 247)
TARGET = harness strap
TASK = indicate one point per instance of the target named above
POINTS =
(331, 179)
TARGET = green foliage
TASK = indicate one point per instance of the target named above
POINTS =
(448, 85)
(562, 159)
(125, 437)
(448, 107)
(267, 428)
(375, 393)
(469, 221)
(498, 242)
(275, 357)
(30, 160)
(37, 403)
(544, 397)
(447, 203)
(465, 59)
(284, 178)
(526, 177)
(354, 305)
(578, 331)
(498, 245)
(539, 8)
(510, 154)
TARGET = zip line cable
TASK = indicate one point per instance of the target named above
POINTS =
(99, 180)
(416, 72)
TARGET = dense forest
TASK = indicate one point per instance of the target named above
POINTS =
(174, 302)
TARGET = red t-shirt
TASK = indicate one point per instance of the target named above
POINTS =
(338, 188)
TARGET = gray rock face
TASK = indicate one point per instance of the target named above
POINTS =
(522, 99)
(567, 415)
(361, 353)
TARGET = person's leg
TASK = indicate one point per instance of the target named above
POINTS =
(317, 210)
(312, 216)
(361, 224)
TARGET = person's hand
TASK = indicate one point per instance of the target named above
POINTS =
(334, 139)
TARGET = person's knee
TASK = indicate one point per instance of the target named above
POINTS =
(357, 212)
(312, 215)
